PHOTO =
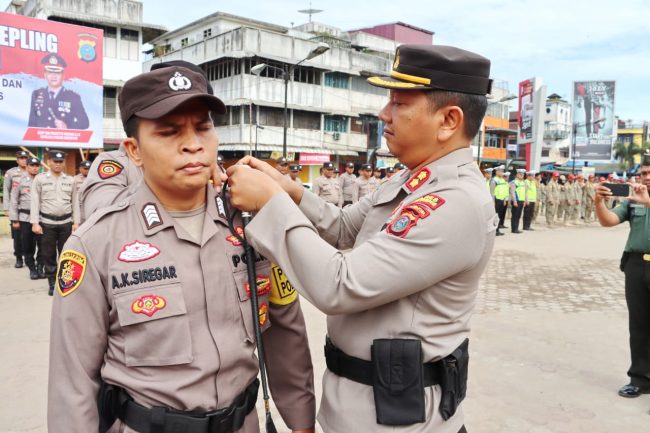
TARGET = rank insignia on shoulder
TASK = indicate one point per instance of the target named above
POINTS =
(263, 286)
(151, 215)
(233, 239)
(412, 213)
(109, 168)
(220, 207)
(148, 304)
(71, 271)
(263, 314)
(418, 179)
(282, 291)
(137, 251)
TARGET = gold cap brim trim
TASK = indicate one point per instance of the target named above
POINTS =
(387, 83)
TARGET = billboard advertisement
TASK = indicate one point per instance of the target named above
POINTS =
(50, 83)
(593, 119)
(526, 113)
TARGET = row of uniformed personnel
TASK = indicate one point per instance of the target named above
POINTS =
(43, 210)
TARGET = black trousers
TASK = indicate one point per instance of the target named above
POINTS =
(54, 236)
(529, 211)
(637, 296)
(500, 207)
(516, 215)
(18, 243)
(30, 242)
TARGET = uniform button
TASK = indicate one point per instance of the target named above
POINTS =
(122, 203)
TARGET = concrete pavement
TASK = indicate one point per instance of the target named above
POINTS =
(549, 341)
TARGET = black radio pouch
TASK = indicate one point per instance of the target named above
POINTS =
(453, 380)
(624, 258)
(398, 383)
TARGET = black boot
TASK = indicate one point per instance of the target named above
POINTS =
(41, 272)
(50, 281)
(33, 273)
(19, 262)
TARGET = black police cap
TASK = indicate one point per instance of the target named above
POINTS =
(33, 161)
(57, 155)
(282, 161)
(399, 166)
(295, 167)
(54, 63)
(22, 154)
(328, 166)
(349, 164)
(84, 164)
(437, 67)
(183, 64)
(366, 167)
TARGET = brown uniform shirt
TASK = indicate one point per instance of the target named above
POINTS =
(142, 305)
(365, 187)
(419, 246)
(348, 186)
(51, 195)
(12, 177)
(329, 189)
(111, 178)
(21, 199)
(78, 181)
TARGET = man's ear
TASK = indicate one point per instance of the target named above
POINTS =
(133, 150)
(451, 121)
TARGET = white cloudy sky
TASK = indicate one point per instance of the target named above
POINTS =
(557, 40)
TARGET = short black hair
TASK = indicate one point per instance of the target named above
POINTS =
(131, 127)
(473, 106)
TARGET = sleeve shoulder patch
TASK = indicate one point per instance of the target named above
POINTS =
(410, 214)
(109, 168)
(282, 291)
(70, 273)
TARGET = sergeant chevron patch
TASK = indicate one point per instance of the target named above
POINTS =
(151, 215)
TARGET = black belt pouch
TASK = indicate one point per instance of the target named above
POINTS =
(624, 258)
(398, 383)
(453, 380)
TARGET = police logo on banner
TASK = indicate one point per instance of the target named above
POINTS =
(72, 268)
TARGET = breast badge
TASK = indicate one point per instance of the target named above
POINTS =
(148, 305)
(263, 286)
(137, 251)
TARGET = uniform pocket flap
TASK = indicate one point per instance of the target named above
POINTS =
(151, 303)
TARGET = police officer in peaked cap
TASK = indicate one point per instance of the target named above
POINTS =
(54, 106)
(11, 179)
(155, 286)
(391, 308)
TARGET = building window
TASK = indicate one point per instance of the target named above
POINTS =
(222, 68)
(359, 84)
(110, 102)
(336, 124)
(110, 42)
(271, 116)
(306, 120)
(207, 33)
(129, 44)
(356, 125)
(221, 119)
(301, 74)
(337, 80)
(492, 140)
(185, 42)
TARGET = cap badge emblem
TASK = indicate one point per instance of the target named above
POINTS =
(179, 82)
(396, 63)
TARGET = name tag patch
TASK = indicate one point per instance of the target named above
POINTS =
(143, 276)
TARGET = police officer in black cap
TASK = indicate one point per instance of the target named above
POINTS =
(54, 106)
(328, 187)
(282, 164)
(294, 170)
(348, 184)
(12, 177)
(52, 214)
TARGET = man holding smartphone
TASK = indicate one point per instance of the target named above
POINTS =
(636, 264)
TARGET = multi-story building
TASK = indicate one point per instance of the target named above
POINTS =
(491, 143)
(332, 110)
(124, 34)
(632, 131)
(557, 130)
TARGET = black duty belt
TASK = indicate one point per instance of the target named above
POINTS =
(118, 403)
(27, 211)
(644, 256)
(361, 371)
(56, 217)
